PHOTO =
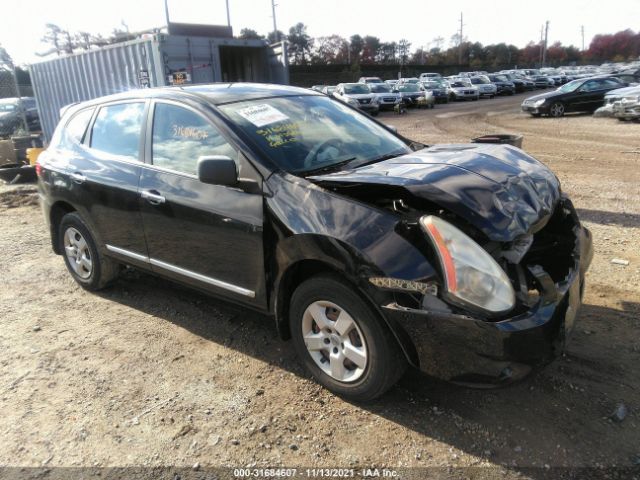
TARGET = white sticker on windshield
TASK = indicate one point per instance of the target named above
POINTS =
(263, 114)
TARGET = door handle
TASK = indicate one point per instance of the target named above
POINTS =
(78, 177)
(153, 197)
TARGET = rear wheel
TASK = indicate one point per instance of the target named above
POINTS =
(342, 342)
(88, 267)
(556, 109)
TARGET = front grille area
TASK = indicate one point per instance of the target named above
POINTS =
(364, 101)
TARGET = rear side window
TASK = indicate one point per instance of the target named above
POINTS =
(73, 132)
(116, 130)
(181, 136)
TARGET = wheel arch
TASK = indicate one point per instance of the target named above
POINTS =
(57, 211)
(304, 269)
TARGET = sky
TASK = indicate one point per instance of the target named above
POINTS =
(419, 21)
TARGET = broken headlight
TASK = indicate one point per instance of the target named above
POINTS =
(472, 277)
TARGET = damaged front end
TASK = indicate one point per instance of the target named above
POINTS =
(509, 248)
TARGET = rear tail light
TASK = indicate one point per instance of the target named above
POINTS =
(39, 169)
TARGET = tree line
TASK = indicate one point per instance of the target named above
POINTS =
(370, 50)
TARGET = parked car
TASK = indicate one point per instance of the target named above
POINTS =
(387, 98)
(391, 82)
(584, 95)
(504, 86)
(406, 80)
(613, 96)
(329, 89)
(429, 76)
(628, 107)
(541, 81)
(438, 89)
(358, 95)
(518, 83)
(370, 251)
(11, 115)
(411, 94)
(484, 85)
(463, 89)
(370, 80)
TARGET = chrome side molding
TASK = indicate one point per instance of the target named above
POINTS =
(183, 271)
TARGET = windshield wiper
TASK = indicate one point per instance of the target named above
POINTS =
(328, 168)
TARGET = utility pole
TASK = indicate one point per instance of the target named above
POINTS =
(275, 27)
(541, 43)
(166, 12)
(546, 37)
(460, 39)
(228, 16)
(582, 31)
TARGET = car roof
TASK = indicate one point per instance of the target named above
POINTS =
(215, 93)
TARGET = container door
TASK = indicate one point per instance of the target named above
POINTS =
(279, 63)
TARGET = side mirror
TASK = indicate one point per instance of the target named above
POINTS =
(217, 170)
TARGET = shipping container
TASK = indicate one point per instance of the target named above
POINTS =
(154, 60)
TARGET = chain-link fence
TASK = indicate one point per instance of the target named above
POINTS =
(18, 112)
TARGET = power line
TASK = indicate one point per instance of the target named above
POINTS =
(582, 31)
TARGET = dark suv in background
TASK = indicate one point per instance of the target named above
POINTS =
(371, 251)
(11, 115)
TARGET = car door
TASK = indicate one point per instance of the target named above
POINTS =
(209, 236)
(104, 172)
(587, 96)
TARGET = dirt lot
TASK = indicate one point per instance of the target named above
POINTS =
(149, 374)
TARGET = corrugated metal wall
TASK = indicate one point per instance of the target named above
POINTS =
(89, 75)
(85, 76)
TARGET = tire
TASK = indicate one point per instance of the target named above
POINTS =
(556, 110)
(88, 267)
(316, 305)
(536, 115)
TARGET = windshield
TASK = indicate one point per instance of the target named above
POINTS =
(409, 87)
(357, 88)
(479, 80)
(571, 86)
(8, 107)
(306, 133)
(498, 78)
(432, 85)
(380, 88)
(459, 84)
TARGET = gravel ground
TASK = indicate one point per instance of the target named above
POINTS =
(148, 373)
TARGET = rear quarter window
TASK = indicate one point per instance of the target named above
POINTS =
(74, 130)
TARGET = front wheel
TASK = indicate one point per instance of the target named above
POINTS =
(556, 109)
(88, 267)
(342, 342)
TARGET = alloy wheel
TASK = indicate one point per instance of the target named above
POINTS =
(334, 341)
(78, 253)
(557, 109)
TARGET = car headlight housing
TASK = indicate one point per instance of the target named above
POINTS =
(472, 277)
(353, 102)
(539, 103)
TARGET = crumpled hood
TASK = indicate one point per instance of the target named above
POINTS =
(499, 189)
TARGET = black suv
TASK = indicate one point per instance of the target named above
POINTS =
(371, 251)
